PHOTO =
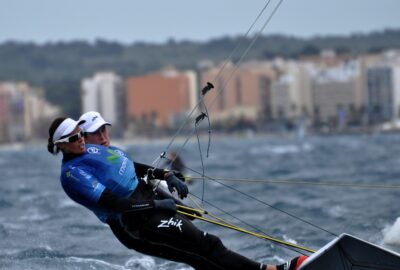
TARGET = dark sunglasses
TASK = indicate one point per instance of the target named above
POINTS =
(70, 139)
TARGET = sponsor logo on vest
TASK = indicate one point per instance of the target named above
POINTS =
(123, 166)
(119, 152)
(93, 150)
(171, 222)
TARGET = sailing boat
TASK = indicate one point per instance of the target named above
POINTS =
(349, 252)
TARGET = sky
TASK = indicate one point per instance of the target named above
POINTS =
(129, 21)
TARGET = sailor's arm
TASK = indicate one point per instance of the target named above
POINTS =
(110, 201)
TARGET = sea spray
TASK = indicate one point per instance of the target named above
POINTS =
(391, 235)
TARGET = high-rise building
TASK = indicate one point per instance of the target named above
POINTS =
(383, 90)
(105, 93)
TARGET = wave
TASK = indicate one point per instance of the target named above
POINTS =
(391, 234)
(91, 263)
(144, 263)
(40, 252)
(282, 149)
(336, 211)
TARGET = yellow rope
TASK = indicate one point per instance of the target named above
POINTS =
(207, 212)
(229, 226)
(200, 211)
(298, 182)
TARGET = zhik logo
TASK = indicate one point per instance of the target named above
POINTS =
(171, 222)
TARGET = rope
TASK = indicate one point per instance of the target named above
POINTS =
(302, 182)
(234, 217)
(201, 100)
(233, 227)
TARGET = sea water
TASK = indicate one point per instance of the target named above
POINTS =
(41, 228)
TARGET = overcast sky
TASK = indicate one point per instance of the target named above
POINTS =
(129, 21)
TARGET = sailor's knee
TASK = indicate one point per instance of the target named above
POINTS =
(214, 245)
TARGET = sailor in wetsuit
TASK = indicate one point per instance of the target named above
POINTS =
(105, 182)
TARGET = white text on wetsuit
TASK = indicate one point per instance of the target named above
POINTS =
(171, 222)
(123, 166)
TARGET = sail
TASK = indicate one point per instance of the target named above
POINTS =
(347, 252)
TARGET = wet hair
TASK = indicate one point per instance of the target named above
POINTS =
(51, 147)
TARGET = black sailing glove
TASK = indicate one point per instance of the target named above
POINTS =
(174, 182)
(166, 205)
(179, 175)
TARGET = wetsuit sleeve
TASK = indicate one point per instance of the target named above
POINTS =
(141, 170)
(114, 203)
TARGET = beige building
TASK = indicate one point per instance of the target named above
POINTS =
(242, 93)
(336, 94)
(291, 94)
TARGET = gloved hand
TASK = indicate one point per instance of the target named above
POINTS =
(174, 182)
(179, 175)
(195, 213)
(166, 205)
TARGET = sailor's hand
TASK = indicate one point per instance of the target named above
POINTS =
(189, 211)
(175, 182)
(166, 205)
(179, 175)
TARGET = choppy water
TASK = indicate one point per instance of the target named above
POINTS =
(40, 228)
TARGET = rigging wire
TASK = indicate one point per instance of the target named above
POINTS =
(220, 91)
(158, 159)
(242, 57)
(238, 64)
(271, 206)
(260, 201)
(238, 219)
(187, 118)
(302, 182)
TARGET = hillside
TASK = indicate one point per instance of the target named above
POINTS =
(59, 67)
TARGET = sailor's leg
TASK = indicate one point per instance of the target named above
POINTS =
(132, 240)
(178, 233)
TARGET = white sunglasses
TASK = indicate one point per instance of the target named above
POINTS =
(70, 139)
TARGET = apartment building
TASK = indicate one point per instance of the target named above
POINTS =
(335, 94)
(105, 93)
(241, 94)
(383, 88)
(291, 94)
(161, 99)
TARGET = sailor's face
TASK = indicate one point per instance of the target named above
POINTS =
(77, 144)
(100, 136)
